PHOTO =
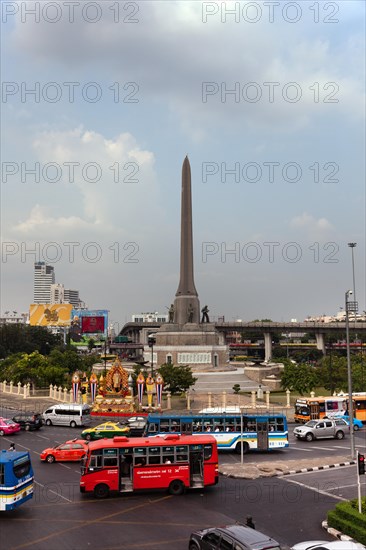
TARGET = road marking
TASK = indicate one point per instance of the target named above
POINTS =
(86, 523)
(51, 491)
(302, 450)
(319, 491)
(326, 448)
(64, 466)
(43, 437)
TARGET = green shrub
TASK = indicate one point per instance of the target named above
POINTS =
(348, 520)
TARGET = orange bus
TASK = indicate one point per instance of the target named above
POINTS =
(309, 408)
(173, 462)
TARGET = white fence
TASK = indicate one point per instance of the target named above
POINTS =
(55, 392)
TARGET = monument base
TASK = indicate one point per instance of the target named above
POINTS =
(193, 344)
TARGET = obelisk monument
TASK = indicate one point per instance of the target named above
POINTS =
(186, 303)
(184, 340)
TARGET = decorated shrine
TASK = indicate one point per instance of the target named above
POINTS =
(114, 394)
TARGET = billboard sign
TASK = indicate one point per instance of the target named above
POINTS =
(88, 321)
(50, 315)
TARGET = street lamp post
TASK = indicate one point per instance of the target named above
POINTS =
(350, 306)
(105, 357)
(352, 246)
(151, 342)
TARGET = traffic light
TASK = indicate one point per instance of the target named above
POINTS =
(361, 464)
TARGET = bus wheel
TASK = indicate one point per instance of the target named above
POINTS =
(101, 491)
(73, 424)
(176, 487)
(48, 422)
(309, 437)
(339, 435)
(245, 448)
(50, 459)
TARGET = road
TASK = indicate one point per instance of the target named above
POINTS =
(289, 508)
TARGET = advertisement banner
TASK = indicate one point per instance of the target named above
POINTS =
(92, 324)
(50, 315)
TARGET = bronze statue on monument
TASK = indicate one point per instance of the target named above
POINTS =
(205, 317)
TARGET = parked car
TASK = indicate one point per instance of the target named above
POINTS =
(136, 425)
(323, 428)
(8, 427)
(325, 545)
(357, 424)
(29, 420)
(235, 536)
(108, 429)
(73, 450)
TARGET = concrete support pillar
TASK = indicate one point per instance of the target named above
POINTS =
(11, 386)
(267, 346)
(209, 399)
(169, 400)
(254, 395)
(312, 394)
(188, 400)
(320, 342)
(288, 393)
(65, 395)
(267, 398)
(19, 386)
(224, 399)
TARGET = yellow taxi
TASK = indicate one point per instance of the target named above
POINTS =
(108, 429)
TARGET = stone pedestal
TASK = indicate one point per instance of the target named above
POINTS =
(190, 344)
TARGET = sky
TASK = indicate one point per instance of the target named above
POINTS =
(101, 102)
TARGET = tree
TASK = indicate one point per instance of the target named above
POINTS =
(300, 378)
(177, 379)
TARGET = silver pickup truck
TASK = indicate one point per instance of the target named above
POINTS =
(322, 429)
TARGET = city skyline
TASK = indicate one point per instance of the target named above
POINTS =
(97, 131)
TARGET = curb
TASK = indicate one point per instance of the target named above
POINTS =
(335, 533)
(316, 468)
(291, 472)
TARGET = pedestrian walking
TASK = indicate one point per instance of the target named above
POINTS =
(249, 522)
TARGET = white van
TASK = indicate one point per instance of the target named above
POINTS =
(67, 414)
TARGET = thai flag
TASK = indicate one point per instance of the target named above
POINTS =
(93, 390)
(75, 391)
(140, 391)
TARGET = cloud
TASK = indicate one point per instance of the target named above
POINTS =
(307, 222)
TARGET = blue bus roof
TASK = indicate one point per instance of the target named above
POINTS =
(9, 456)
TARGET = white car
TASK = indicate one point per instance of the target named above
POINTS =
(324, 545)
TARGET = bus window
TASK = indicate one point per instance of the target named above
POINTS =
(153, 428)
(280, 425)
(175, 426)
(110, 457)
(182, 453)
(154, 455)
(139, 456)
(197, 426)
(21, 466)
(2, 474)
(207, 452)
(164, 426)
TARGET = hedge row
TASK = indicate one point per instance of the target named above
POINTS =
(348, 520)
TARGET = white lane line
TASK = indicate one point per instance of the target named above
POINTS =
(326, 448)
(316, 490)
(64, 466)
(300, 449)
(51, 491)
(43, 437)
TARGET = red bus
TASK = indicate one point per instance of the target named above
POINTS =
(174, 462)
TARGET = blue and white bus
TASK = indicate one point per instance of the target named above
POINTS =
(16, 479)
(264, 432)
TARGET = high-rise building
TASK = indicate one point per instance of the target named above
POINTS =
(72, 297)
(57, 294)
(44, 277)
